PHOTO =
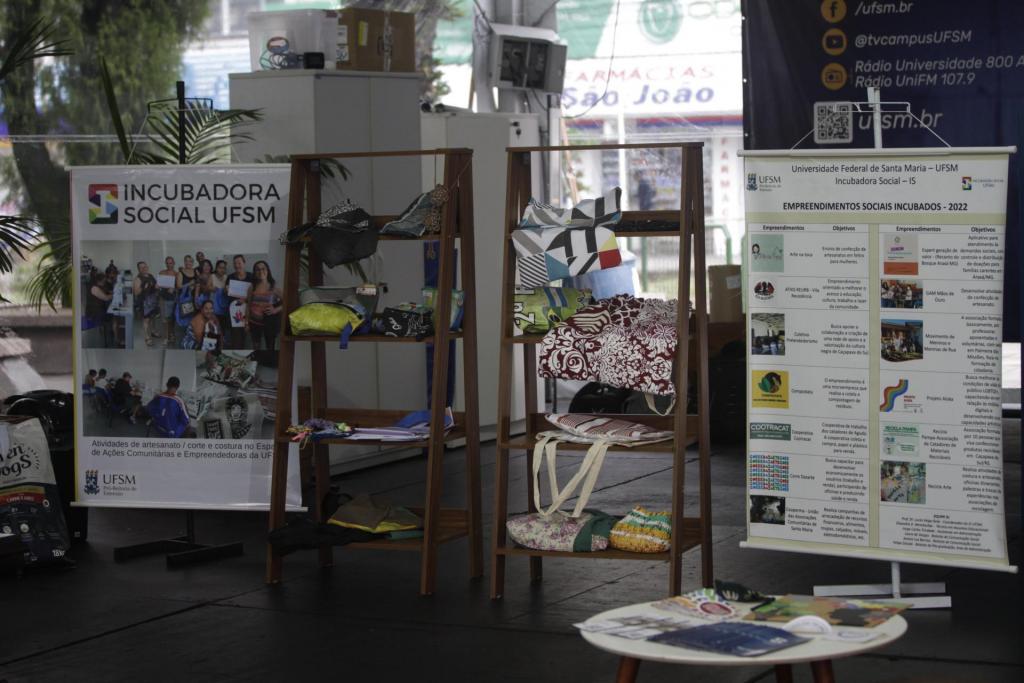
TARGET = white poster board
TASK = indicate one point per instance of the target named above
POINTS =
(874, 288)
(209, 444)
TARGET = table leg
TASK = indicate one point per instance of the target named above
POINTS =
(783, 673)
(821, 671)
(627, 670)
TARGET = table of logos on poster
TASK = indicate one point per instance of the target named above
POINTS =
(177, 291)
(874, 286)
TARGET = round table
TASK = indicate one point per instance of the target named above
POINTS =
(818, 652)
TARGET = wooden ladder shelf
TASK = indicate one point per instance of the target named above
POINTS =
(439, 525)
(688, 222)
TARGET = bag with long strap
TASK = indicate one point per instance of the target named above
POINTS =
(582, 530)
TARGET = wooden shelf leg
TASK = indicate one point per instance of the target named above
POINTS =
(278, 494)
(530, 389)
(321, 456)
(439, 382)
(471, 388)
(322, 470)
(783, 673)
(703, 382)
(500, 535)
(279, 465)
(821, 671)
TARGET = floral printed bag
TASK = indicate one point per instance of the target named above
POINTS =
(553, 529)
(623, 341)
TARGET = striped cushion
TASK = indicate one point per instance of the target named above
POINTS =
(643, 531)
(594, 427)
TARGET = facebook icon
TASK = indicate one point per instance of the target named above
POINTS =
(833, 10)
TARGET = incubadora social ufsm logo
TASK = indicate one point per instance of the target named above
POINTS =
(102, 204)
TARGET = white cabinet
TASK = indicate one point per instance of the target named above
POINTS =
(351, 111)
(487, 135)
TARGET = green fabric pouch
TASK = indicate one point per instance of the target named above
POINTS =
(537, 310)
(324, 318)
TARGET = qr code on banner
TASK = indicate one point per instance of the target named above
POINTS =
(833, 122)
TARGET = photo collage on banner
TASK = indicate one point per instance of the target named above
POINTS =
(874, 297)
(177, 293)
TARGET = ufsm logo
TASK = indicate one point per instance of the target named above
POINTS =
(102, 206)
(752, 182)
(92, 482)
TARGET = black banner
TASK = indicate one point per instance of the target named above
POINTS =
(959, 65)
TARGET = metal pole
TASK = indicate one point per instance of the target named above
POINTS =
(180, 86)
(875, 99)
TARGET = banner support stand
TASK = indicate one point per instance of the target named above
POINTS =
(932, 593)
(182, 550)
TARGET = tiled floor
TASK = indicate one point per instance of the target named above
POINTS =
(363, 620)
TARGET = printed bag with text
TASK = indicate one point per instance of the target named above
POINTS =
(29, 501)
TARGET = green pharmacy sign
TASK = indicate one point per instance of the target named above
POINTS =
(660, 20)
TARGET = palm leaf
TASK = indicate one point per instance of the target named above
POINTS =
(52, 282)
(33, 43)
(18, 235)
(114, 110)
(209, 134)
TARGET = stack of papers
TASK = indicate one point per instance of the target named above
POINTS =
(413, 427)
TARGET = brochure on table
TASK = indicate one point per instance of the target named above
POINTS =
(874, 307)
(210, 445)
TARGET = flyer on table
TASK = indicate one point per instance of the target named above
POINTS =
(176, 288)
(874, 290)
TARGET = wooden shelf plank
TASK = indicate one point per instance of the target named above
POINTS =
(609, 145)
(453, 435)
(524, 339)
(691, 539)
(364, 338)
(444, 535)
(523, 443)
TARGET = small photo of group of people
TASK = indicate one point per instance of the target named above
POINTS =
(768, 334)
(902, 294)
(204, 296)
(767, 510)
(178, 394)
(902, 340)
(903, 482)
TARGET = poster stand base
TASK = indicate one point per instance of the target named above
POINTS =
(930, 593)
(181, 551)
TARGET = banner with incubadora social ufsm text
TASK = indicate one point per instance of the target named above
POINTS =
(178, 304)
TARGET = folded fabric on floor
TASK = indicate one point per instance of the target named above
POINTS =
(375, 515)
(589, 213)
(302, 533)
(623, 341)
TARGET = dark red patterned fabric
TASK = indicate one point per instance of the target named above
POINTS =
(623, 341)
